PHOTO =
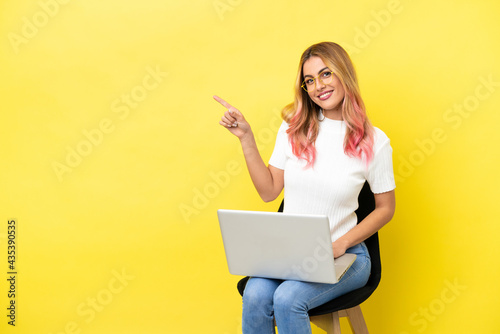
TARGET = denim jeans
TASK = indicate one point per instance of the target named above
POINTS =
(289, 301)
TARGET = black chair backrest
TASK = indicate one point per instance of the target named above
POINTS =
(366, 202)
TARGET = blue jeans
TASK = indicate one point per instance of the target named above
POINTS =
(288, 302)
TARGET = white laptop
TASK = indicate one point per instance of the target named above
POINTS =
(282, 246)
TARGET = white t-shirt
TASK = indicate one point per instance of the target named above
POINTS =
(332, 185)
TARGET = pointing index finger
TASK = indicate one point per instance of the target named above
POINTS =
(221, 101)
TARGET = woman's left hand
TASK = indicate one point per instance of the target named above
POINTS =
(339, 248)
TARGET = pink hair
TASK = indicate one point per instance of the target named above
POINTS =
(302, 114)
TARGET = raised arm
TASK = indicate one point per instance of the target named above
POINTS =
(268, 180)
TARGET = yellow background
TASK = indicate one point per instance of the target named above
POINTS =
(141, 203)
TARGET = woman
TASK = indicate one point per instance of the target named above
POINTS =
(325, 150)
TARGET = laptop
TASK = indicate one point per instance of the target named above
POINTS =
(282, 246)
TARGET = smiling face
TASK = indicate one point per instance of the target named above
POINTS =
(329, 96)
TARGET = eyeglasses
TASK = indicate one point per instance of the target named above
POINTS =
(325, 78)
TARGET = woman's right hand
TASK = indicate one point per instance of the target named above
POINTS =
(267, 180)
(233, 120)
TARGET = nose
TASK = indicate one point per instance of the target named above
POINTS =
(319, 84)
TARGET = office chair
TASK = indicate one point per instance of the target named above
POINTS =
(326, 316)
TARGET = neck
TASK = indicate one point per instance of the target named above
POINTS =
(334, 114)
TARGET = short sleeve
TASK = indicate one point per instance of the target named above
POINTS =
(380, 173)
(278, 158)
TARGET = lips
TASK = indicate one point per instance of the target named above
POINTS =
(325, 95)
